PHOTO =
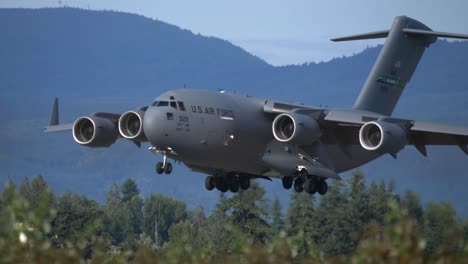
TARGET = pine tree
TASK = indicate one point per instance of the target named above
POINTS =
(412, 203)
(301, 221)
(248, 212)
(335, 225)
(159, 214)
(129, 189)
(25, 190)
(75, 215)
(359, 210)
(277, 224)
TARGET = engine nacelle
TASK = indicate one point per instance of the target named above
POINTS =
(95, 131)
(131, 125)
(382, 136)
(296, 128)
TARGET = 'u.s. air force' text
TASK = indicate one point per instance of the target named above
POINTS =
(212, 111)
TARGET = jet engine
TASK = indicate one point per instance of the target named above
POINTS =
(382, 136)
(296, 128)
(131, 125)
(95, 131)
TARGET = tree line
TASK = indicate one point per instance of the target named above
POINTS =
(354, 221)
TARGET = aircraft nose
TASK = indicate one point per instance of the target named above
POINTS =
(152, 125)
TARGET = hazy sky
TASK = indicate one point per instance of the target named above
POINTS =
(283, 32)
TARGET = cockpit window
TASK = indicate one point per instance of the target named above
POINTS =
(154, 103)
(173, 104)
(181, 106)
(163, 103)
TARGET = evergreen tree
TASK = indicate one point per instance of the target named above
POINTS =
(192, 232)
(378, 201)
(359, 211)
(301, 221)
(441, 229)
(160, 213)
(334, 225)
(36, 193)
(412, 204)
(113, 198)
(129, 190)
(277, 224)
(247, 211)
(25, 190)
(75, 215)
(124, 213)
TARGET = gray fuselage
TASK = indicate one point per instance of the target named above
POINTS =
(225, 132)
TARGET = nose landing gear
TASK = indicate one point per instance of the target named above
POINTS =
(164, 167)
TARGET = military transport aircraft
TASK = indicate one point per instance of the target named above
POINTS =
(234, 138)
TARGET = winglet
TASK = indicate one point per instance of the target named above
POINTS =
(54, 118)
(54, 125)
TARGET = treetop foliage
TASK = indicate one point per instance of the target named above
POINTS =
(354, 222)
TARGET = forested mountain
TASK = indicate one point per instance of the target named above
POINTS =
(111, 61)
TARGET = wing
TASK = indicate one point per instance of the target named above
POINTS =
(428, 133)
(54, 125)
(343, 127)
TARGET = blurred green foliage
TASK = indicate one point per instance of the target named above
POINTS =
(353, 223)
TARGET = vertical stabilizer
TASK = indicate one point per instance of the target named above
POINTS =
(405, 44)
(394, 67)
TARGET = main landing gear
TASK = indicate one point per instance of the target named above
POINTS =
(227, 182)
(305, 182)
(164, 167)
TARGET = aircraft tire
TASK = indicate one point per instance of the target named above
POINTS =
(168, 168)
(234, 185)
(221, 185)
(287, 182)
(322, 187)
(244, 182)
(299, 184)
(310, 185)
(209, 183)
(159, 168)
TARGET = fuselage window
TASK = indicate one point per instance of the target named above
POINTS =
(181, 106)
(154, 103)
(173, 105)
(163, 103)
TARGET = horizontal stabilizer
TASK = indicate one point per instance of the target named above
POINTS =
(434, 33)
(371, 35)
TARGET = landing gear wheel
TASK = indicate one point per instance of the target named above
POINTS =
(310, 185)
(322, 187)
(298, 184)
(159, 168)
(221, 185)
(209, 183)
(287, 182)
(234, 185)
(244, 182)
(168, 168)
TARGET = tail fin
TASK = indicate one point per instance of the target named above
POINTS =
(405, 44)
